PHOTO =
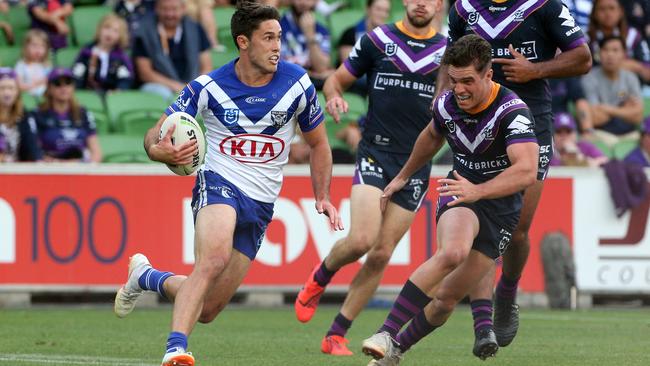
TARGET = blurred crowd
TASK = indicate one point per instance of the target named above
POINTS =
(52, 51)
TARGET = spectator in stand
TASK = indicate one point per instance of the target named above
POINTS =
(201, 12)
(177, 53)
(5, 27)
(17, 140)
(568, 150)
(133, 11)
(637, 13)
(377, 12)
(580, 9)
(614, 94)
(306, 42)
(32, 69)
(51, 17)
(103, 64)
(569, 90)
(641, 155)
(65, 130)
(607, 20)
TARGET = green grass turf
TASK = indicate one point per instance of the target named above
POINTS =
(242, 336)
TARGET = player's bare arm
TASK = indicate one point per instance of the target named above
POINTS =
(333, 89)
(320, 164)
(426, 146)
(163, 150)
(518, 69)
(521, 174)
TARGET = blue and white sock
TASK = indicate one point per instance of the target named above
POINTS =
(153, 280)
(176, 340)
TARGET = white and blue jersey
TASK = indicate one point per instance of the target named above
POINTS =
(249, 129)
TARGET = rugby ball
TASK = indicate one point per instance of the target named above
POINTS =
(186, 129)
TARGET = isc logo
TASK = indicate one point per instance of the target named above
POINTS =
(252, 148)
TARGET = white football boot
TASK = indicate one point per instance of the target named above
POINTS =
(381, 345)
(128, 294)
(178, 358)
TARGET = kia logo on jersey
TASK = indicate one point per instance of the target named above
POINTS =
(252, 148)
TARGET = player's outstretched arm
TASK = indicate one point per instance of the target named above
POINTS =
(517, 177)
(163, 150)
(426, 146)
(320, 164)
(518, 69)
(333, 89)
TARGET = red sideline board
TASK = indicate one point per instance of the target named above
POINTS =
(79, 230)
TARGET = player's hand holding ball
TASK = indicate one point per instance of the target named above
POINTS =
(181, 145)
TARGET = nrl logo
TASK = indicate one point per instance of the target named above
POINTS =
(390, 49)
(231, 115)
(278, 118)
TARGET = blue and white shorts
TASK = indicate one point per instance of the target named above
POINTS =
(252, 216)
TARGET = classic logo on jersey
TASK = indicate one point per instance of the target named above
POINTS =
(183, 101)
(279, 118)
(520, 126)
(230, 115)
(252, 148)
(255, 100)
(390, 49)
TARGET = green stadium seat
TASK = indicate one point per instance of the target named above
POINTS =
(604, 148)
(10, 55)
(84, 22)
(123, 149)
(622, 148)
(66, 57)
(221, 58)
(222, 15)
(342, 20)
(120, 102)
(357, 105)
(137, 123)
(30, 102)
(94, 102)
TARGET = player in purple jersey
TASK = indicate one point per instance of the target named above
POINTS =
(525, 36)
(231, 216)
(400, 61)
(491, 134)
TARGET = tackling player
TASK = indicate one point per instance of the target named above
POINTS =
(491, 134)
(250, 107)
(401, 62)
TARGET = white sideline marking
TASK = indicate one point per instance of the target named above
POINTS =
(46, 359)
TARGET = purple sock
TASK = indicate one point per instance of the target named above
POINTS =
(417, 329)
(176, 339)
(507, 288)
(153, 280)
(323, 276)
(411, 300)
(482, 314)
(340, 326)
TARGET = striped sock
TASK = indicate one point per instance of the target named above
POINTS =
(411, 300)
(417, 329)
(176, 339)
(323, 276)
(482, 313)
(340, 326)
(153, 280)
(507, 288)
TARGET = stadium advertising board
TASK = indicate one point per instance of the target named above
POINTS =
(76, 227)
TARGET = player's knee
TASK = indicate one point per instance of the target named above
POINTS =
(211, 266)
(520, 238)
(360, 244)
(378, 258)
(452, 258)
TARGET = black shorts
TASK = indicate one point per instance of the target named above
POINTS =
(495, 227)
(377, 168)
(544, 133)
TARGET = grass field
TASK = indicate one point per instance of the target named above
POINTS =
(242, 336)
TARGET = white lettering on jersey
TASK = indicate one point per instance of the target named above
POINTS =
(568, 19)
(520, 125)
(489, 29)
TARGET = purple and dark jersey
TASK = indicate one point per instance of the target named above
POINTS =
(401, 74)
(59, 136)
(479, 141)
(535, 28)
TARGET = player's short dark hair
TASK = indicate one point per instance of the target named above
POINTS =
(608, 39)
(248, 17)
(469, 50)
